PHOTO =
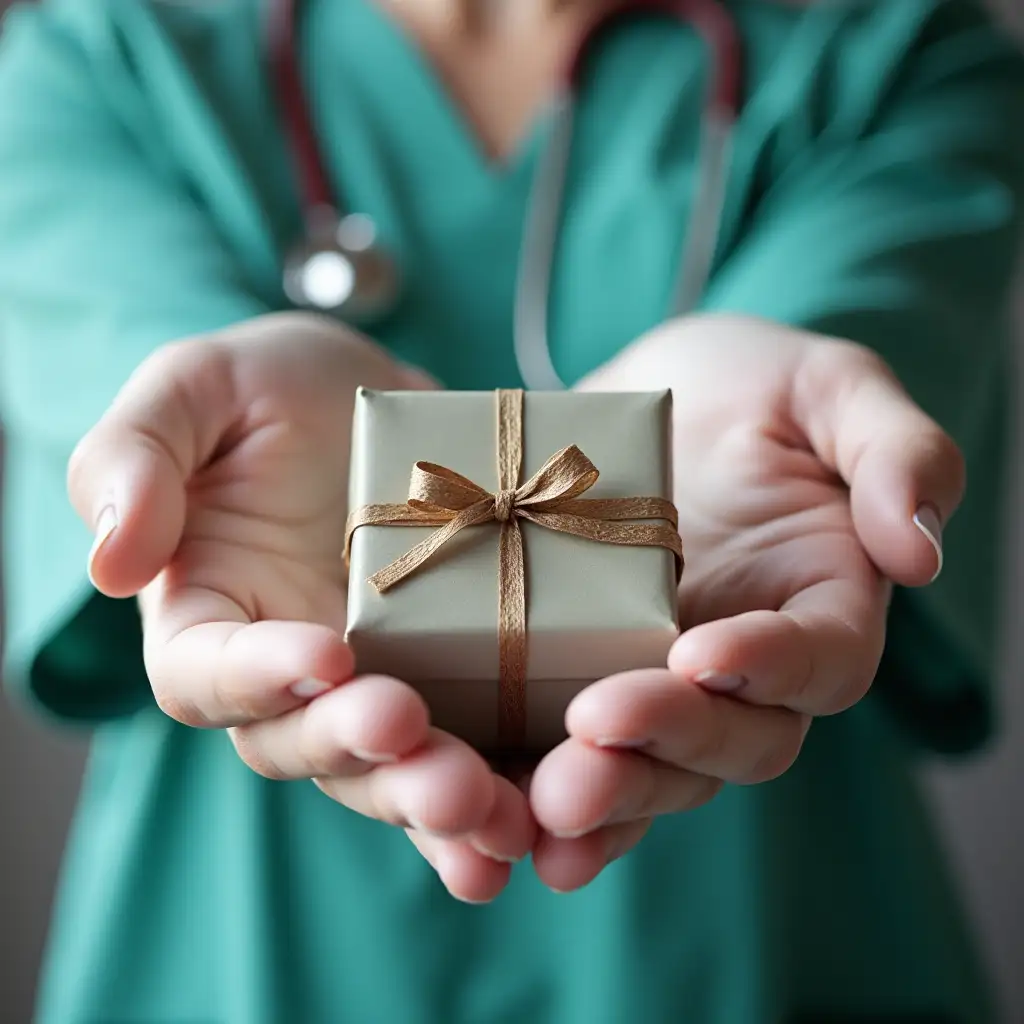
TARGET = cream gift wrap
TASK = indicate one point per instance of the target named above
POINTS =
(508, 549)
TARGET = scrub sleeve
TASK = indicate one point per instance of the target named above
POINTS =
(107, 254)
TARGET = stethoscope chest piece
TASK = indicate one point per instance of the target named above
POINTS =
(340, 269)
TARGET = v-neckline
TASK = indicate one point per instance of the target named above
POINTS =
(422, 81)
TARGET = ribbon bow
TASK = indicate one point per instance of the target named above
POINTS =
(550, 498)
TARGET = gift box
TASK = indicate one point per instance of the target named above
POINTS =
(506, 550)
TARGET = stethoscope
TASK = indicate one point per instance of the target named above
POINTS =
(341, 268)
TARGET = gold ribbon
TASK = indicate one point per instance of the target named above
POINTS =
(551, 499)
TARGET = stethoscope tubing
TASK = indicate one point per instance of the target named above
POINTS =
(283, 49)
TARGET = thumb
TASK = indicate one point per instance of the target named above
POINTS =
(412, 378)
(906, 475)
(127, 478)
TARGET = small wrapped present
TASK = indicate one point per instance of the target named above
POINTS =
(492, 568)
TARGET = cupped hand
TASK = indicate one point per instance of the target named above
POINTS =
(806, 480)
(216, 485)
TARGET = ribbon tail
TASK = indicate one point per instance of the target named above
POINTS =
(390, 515)
(405, 565)
(512, 647)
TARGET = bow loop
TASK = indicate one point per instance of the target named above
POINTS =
(566, 475)
(434, 488)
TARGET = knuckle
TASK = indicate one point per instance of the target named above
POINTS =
(647, 799)
(254, 755)
(239, 703)
(162, 365)
(178, 708)
(168, 358)
(320, 748)
(939, 448)
(844, 353)
(804, 682)
(331, 788)
(949, 455)
(704, 793)
(779, 759)
(851, 691)
(848, 691)
(353, 794)
(825, 685)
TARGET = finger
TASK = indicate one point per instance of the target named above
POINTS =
(476, 870)
(226, 671)
(817, 656)
(565, 865)
(906, 475)
(127, 477)
(673, 720)
(579, 788)
(467, 874)
(368, 721)
(509, 833)
(444, 788)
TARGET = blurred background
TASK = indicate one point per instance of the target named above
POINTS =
(980, 803)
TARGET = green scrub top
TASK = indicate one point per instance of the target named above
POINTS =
(875, 193)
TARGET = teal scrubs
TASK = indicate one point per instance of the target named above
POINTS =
(145, 194)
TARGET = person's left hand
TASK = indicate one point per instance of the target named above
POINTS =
(806, 479)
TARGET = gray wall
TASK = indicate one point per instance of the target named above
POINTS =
(39, 773)
(980, 804)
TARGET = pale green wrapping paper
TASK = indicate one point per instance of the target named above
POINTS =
(592, 609)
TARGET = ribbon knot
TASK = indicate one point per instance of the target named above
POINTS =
(438, 496)
(504, 503)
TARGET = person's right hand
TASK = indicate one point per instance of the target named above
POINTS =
(216, 485)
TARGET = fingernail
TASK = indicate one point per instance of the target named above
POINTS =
(106, 523)
(484, 852)
(417, 826)
(720, 682)
(576, 833)
(927, 520)
(608, 741)
(306, 688)
(373, 757)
